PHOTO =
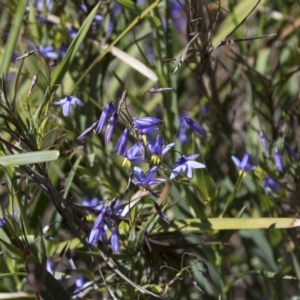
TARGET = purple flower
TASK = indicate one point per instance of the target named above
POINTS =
(80, 285)
(104, 220)
(264, 141)
(290, 150)
(278, 160)
(63, 50)
(96, 22)
(186, 164)
(87, 132)
(98, 229)
(134, 154)
(270, 183)
(90, 203)
(195, 126)
(122, 143)
(50, 265)
(2, 222)
(79, 282)
(146, 180)
(72, 32)
(115, 244)
(244, 164)
(97, 19)
(48, 52)
(184, 127)
(108, 111)
(177, 14)
(40, 4)
(112, 121)
(145, 123)
(157, 149)
(116, 10)
(67, 103)
(148, 131)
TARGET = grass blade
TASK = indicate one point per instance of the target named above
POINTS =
(34, 157)
(231, 224)
(13, 37)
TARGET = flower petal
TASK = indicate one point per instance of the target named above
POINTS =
(60, 102)
(67, 108)
(139, 174)
(236, 161)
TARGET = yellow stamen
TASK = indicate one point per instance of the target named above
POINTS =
(90, 218)
(155, 159)
(144, 138)
(126, 163)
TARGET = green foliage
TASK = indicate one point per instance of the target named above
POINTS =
(232, 67)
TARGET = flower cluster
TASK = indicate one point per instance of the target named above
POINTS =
(140, 142)
(148, 146)
(104, 222)
(268, 183)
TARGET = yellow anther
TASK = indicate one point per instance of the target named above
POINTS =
(144, 138)
(126, 163)
(155, 159)
(89, 218)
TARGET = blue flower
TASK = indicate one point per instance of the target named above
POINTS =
(40, 4)
(2, 222)
(270, 183)
(157, 149)
(114, 239)
(186, 164)
(72, 32)
(184, 127)
(148, 131)
(48, 52)
(263, 141)
(67, 103)
(244, 164)
(148, 123)
(134, 154)
(97, 19)
(104, 221)
(98, 230)
(146, 180)
(87, 132)
(80, 285)
(290, 150)
(90, 203)
(278, 160)
(112, 121)
(177, 8)
(195, 126)
(122, 143)
(108, 111)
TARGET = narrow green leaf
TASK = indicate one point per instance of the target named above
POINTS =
(12, 274)
(34, 157)
(13, 37)
(232, 196)
(130, 5)
(206, 185)
(71, 176)
(12, 248)
(33, 26)
(229, 224)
